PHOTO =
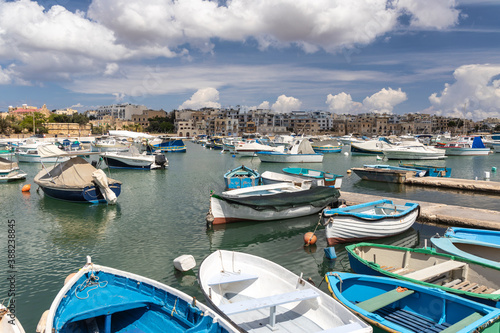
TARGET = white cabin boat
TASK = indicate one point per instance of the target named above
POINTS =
(300, 152)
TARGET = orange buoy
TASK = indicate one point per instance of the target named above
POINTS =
(310, 238)
(26, 188)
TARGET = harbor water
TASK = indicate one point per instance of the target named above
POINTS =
(160, 215)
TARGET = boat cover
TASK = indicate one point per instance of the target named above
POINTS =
(50, 151)
(319, 196)
(304, 147)
(477, 143)
(6, 164)
(74, 173)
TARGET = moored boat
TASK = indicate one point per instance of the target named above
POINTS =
(415, 151)
(370, 220)
(8, 321)
(241, 177)
(103, 299)
(259, 295)
(370, 147)
(419, 173)
(430, 170)
(318, 177)
(252, 147)
(9, 171)
(270, 202)
(132, 159)
(271, 177)
(384, 175)
(300, 152)
(466, 146)
(482, 235)
(399, 306)
(168, 144)
(471, 279)
(326, 146)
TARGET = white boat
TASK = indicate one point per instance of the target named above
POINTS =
(269, 202)
(9, 171)
(259, 295)
(370, 147)
(466, 146)
(300, 152)
(33, 156)
(9, 322)
(415, 151)
(132, 159)
(271, 177)
(370, 220)
(103, 144)
(251, 147)
(104, 299)
(349, 139)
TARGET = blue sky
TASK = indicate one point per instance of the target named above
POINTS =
(353, 56)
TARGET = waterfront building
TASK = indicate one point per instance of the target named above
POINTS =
(143, 118)
(119, 111)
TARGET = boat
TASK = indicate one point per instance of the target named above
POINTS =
(132, 159)
(371, 220)
(104, 299)
(466, 146)
(430, 170)
(241, 177)
(300, 152)
(109, 143)
(318, 177)
(9, 171)
(269, 202)
(419, 173)
(398, 306)
(370, 147)
(326, 146)
(483, 252)
(470, 279)
(384, 175)
(482, 235)
(413, 151)
(8, 321)
(168, 144)
(259, 295)
(271, 177)
(76, 180)
(251, 147)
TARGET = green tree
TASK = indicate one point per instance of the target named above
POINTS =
(27, 122)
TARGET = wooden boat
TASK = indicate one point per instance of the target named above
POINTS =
(431, 171)
(482, 235)
(419, 173)
(76, 180)
(271, 177)
(486, 253)
(300, 152)
(471, 279)
(318, 177)
(9, 322)
(241, 177)
(370, 220)
(103, 299)
(269, 202)
(326, 146)
(261, 296)
(384, 175)
(399, 306)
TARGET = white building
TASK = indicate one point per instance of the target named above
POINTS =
(120, 111)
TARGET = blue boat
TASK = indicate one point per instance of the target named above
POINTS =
(431, 171)
(104, 299)
(486, 253)
(168, 144)
(399, 306)
(419, 172)
(241, 177)
(482, 235)
(319, 178)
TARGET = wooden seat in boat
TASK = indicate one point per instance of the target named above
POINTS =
(463, 323)
(435, 270)
(230, 277)
(377, 302)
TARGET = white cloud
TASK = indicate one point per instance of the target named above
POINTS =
(383, 101)
(475, 94)
(111, 69)
(434, 14)
(4, 76)
(286, 104)
(206, 97)
(264, 106)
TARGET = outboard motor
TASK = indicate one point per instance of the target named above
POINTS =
(160, 159)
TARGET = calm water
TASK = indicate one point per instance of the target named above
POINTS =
(160, 215)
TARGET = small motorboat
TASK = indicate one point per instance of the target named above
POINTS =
(318, 177)
(300, 152)
(371, 220)
(269, 202)
(466, 146)
(470, 279)
(241, 177)
(132, 159)
(413, 151)
(103, 299)
(483, 252)
(399, 306)
(259, 295)
(9, 171)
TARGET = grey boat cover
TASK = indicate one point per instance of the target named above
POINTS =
(74, 173)
(319, 196)
(6, 164)
(304, 147)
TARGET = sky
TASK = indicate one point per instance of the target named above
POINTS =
(352, 56)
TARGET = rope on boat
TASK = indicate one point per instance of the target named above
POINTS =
(173, 309)
(340, 279)
(92, 282)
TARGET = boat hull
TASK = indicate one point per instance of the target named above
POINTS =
(352, 227)
(171, 146)
(273, 157)
(13, 177)
(241, 177)
(122, 162)
(486, 253)
(384, 175)
(327, 149)
(88, 194)
(467, 151)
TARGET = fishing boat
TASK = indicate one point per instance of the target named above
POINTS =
(384, 175)
(103, 299)
(318, 177)
(300, 152)
(259, 295)
(168, 144)
(471, 279)
(241, 177)
(326, 146)
(76, 180)
(399, 306)
(132, 159)
(413, 151)
(482, 235)
(269, 202)
(466, 146)
(370, 220)
(483, 252)
(430, 170)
